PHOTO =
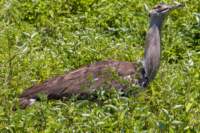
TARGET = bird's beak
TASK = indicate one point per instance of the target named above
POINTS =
(177, 5)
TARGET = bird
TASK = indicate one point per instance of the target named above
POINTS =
(108, 73)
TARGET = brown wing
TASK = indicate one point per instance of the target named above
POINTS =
(81, 81)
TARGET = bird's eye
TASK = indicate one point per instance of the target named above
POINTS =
(157, 7)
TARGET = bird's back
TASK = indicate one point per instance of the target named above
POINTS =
(84, 80)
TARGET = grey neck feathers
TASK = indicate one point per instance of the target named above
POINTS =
(157, 21)
(152, 50)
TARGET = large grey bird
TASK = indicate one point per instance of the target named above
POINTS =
(109, 73)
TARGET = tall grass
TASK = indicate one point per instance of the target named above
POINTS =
(41, 39)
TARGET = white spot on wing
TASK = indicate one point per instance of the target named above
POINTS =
(32, 101)
(96, 79)
(128, 77)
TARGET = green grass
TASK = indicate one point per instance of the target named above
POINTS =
(41, 39)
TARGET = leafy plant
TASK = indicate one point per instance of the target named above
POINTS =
(40, 39)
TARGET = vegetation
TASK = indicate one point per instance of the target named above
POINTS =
(41, 39)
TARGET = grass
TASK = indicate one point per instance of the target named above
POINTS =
(43, 39)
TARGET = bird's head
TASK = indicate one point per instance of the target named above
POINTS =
(163, 9)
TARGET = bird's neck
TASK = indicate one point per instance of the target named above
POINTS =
(152, 51)
(156, 22)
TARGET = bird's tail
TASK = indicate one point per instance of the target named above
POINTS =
(30, 95)
(25, 102)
